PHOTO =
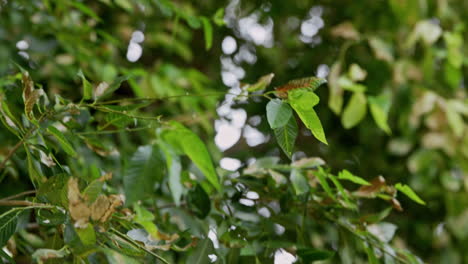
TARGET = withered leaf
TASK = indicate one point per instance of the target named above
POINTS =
(79, 211)
(30, 95)
(376, 185)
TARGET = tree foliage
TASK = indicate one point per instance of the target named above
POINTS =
(353, 135)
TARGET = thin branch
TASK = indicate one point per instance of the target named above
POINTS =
(10, 153)
(20, 203)
(18, 195)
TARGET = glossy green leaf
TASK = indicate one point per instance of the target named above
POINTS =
(140, 176)
(354, 111)
(66, 146)
(302, 102)
(278, 113)
(87, 235)
(409, 192)
(184, 139)
(145, 218)
(286, 136)
(346, 175)
(379, 107)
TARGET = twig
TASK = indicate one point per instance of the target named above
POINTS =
(18, 195)
(19, 203)
(10, 153)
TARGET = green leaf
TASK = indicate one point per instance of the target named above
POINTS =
(199, 201)
(86, 10)
(66, 146)
(371, 257)
(286, 136)
(93, 190)
(175, 169)
(87, 235)
(379, 107)
(455, 120)
(261, 84)
(278, 113)
(140, 176)
(218, 17)
(409, 192)
(200, 255)
(302, 102)
(354, 111)
(322, 178)
(208, 31)
(8, 222)
(346, 175)
(299, 182)
(145, 218)
(87, 87)
(309, 255)
(187, 141)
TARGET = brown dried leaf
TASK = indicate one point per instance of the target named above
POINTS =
(30, 95)
(79, 211)
(370, 191)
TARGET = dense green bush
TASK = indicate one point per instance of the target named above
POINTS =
(225, 132)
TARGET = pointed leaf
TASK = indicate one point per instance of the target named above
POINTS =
(87, 87)
(278, 113)
(66, 146)
(261, 84)
(346, 175)
(299, 182)
(286, 136)
(187, 141)
(379, 107)
(208, 31)
(302, 102)
(174, 172)
(200, 255)
(409, 192)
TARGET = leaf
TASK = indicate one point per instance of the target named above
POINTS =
(346, 175)
(30, 95)
(309, 254)
(302, 102)
(455, 120)
(145, 218)
(116, 258)
(322, 178)
(356, 73)
(261, 84)
(104, 89)
(278, 113)
(208, 31)
(87, 235)
(187, 141)
(66, 146)
(354, 111)
(286, 136)
(87, 87)
(218, 17)
(381, 49)
(199, 201)
(175, 169)
(409, 192)
(8, 222)
(371, 257)
(299, 182)
(335, 99)
(379, 107)
(201, 252)
(85, 9)
(141, 173)
(383, 231)
(42, 255)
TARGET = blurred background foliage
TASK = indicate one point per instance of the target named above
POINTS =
(395, 104)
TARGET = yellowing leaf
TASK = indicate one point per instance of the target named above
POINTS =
(355, 110)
